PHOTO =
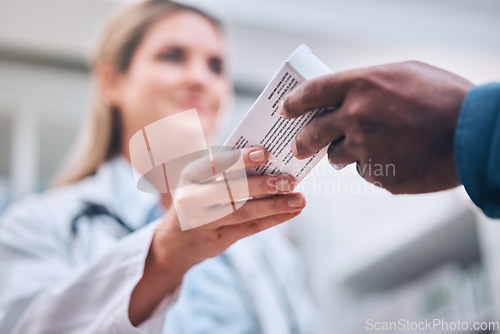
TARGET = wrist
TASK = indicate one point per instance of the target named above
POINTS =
(165, 257)
(171, 250)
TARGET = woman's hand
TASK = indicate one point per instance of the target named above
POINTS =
(173, 251)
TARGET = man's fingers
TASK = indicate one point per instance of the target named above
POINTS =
(338, 156)
(319, 132)
(325, 91)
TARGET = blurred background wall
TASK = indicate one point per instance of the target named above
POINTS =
(369, 255)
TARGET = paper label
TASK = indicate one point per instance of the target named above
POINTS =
(263, 126)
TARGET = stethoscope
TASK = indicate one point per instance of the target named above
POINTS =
(92, 210)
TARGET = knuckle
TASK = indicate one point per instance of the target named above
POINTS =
(253, 227)
(411, 68)
(189, 171)
(366, 79)
(309, 92)
(357, 110)
(361, 79)
(182, 199)
(353, 112)
(315, 131)
(413, 63)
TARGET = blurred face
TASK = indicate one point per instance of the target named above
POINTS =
(178, 65)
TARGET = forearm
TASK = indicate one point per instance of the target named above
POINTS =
(163, 274)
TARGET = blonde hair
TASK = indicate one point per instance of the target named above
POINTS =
(100, 137)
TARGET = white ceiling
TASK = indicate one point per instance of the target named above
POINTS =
(462, 35)
(365, 20)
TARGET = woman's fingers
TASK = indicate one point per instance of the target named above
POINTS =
(216, 192)
(259, 208)
(265, 185)
(221, 160)
(202, 203)
(240, 231)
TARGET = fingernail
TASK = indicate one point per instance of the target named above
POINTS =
(281, 108)
(359, 169)
(295, 201)
(257, 156)
(293, 147)
(283, 185)
(336, 167)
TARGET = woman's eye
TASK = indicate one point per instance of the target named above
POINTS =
(173, 56)
(215, 66)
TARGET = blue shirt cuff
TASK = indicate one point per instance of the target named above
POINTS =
(477, 147)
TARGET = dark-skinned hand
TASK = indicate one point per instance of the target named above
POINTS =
(396, 121)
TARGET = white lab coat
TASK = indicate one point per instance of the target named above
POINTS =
(47, 286)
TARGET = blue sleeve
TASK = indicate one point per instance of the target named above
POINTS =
(477, 147)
